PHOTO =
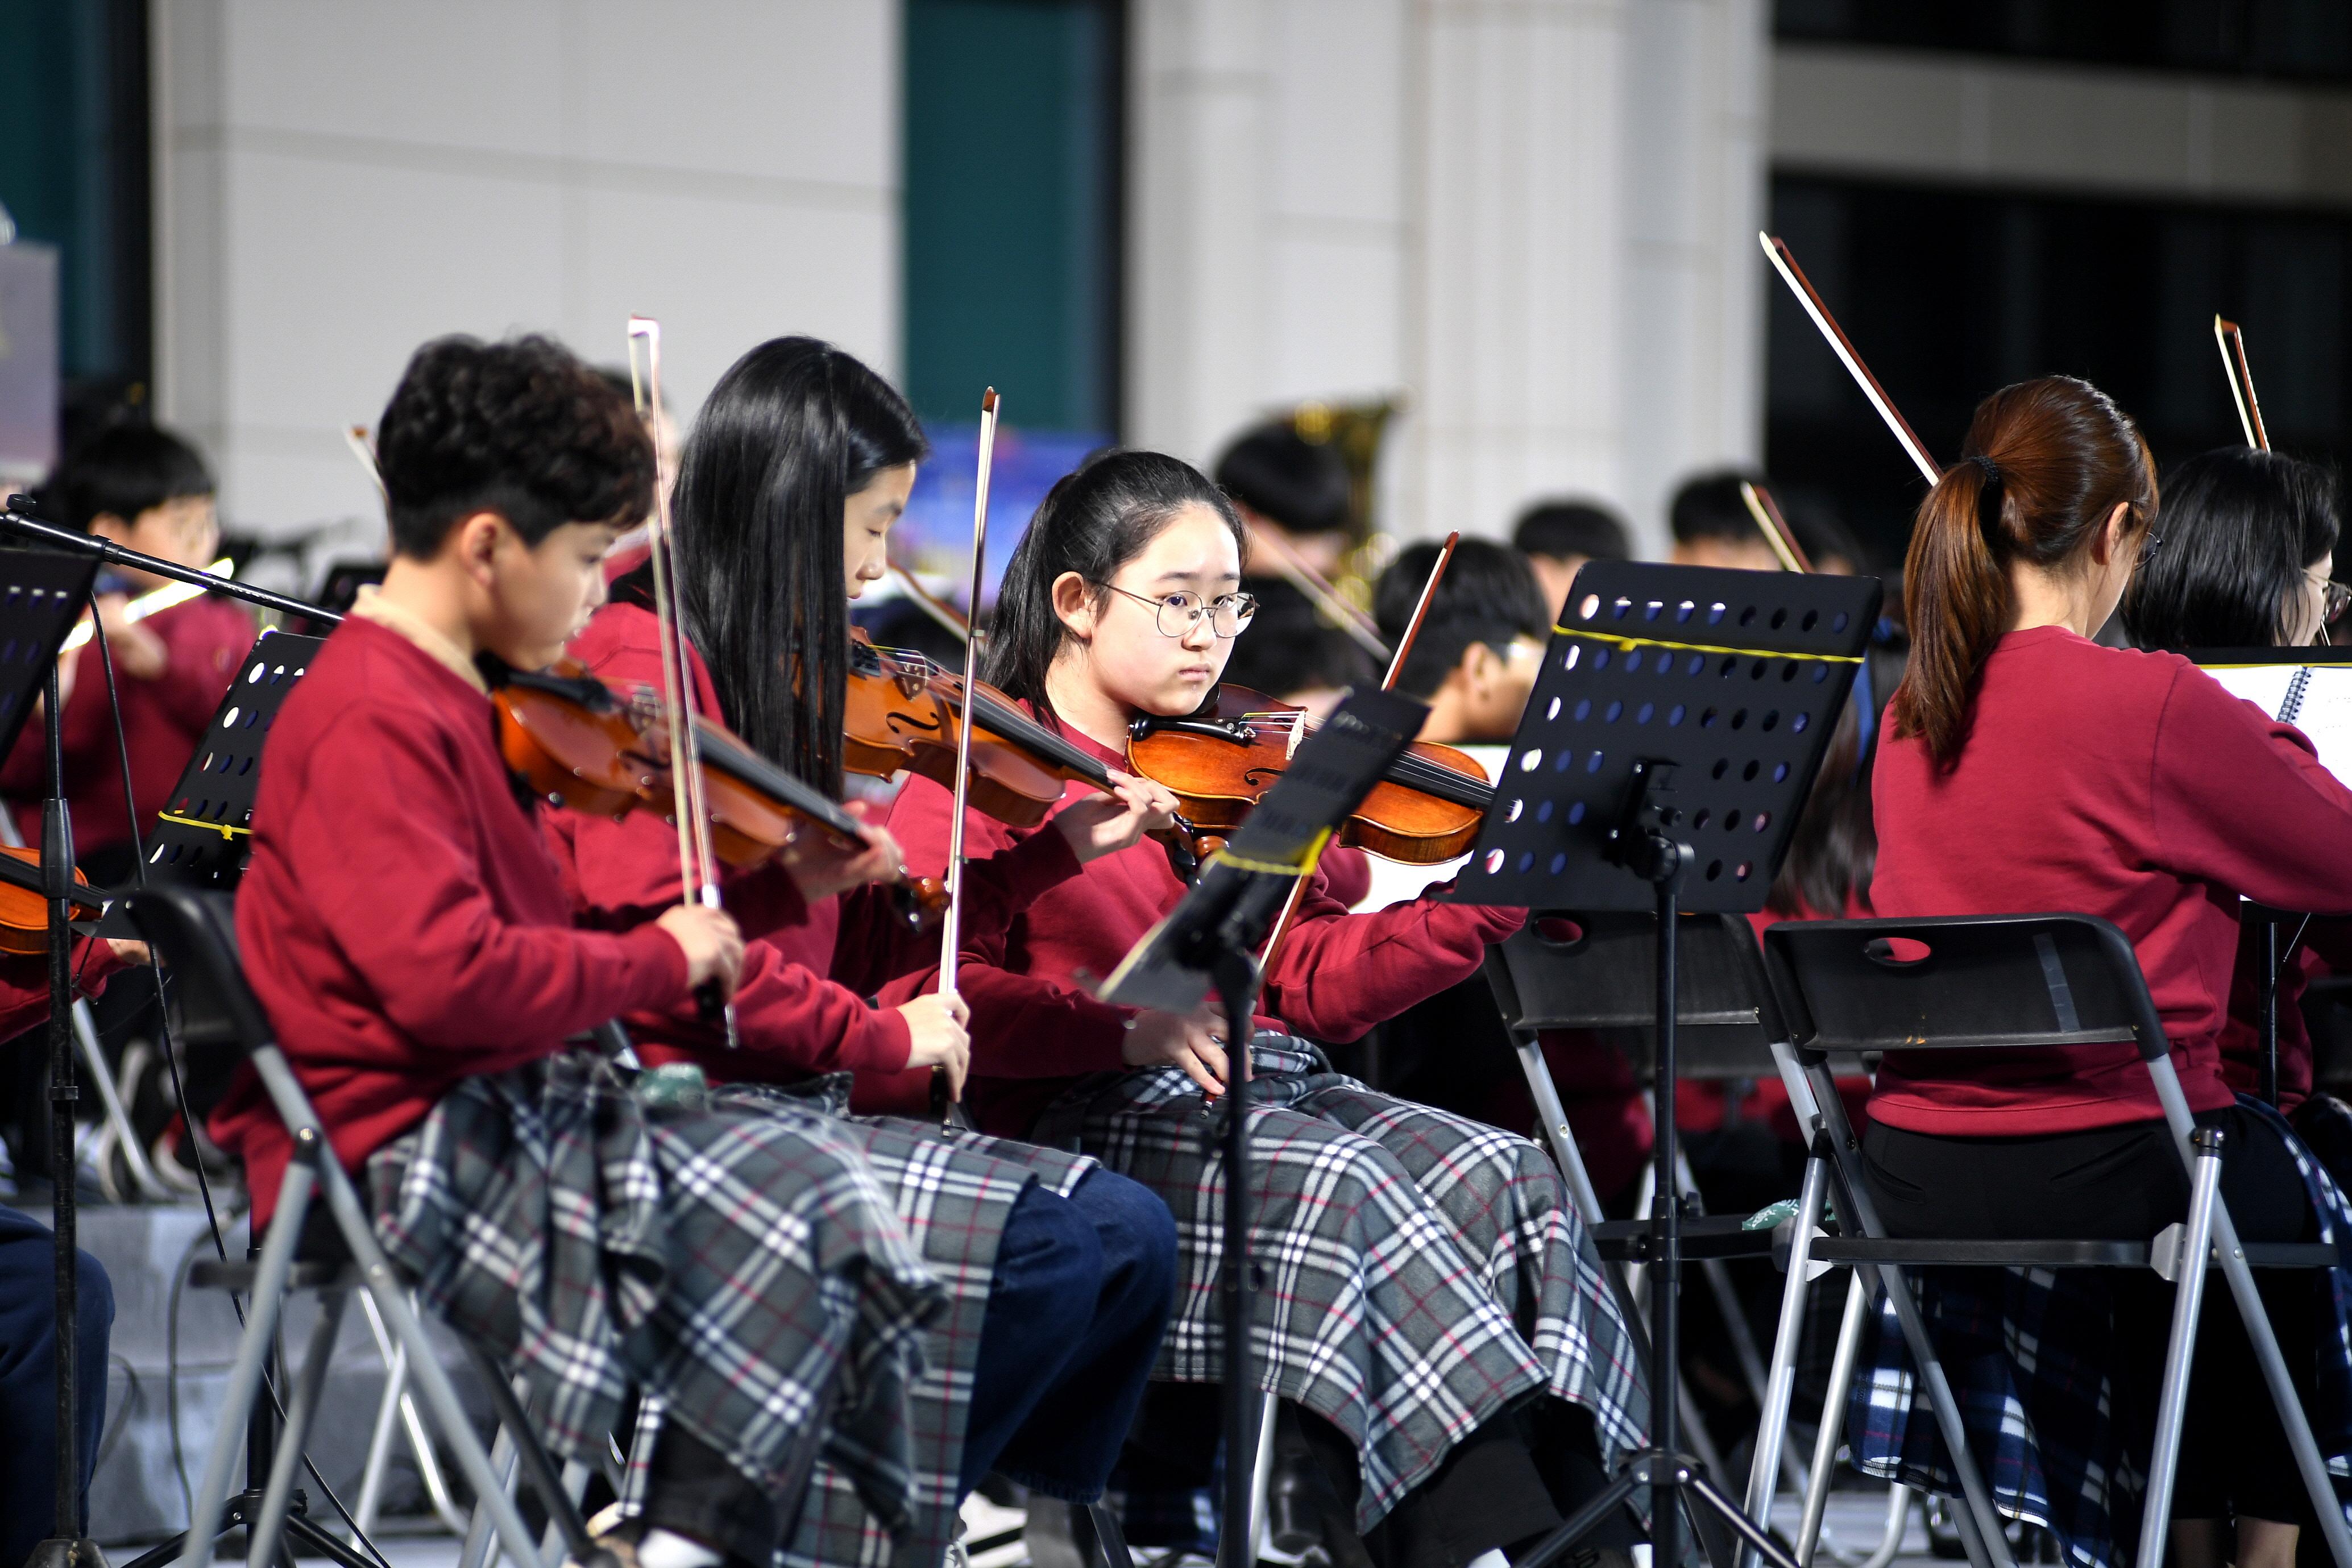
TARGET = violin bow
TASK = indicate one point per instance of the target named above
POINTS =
(1361, 628)
(2232, 342)
(1388, 683)
(952, 927)
(1774, 527)
(930, 603)
(1784, 262)
(697, 864)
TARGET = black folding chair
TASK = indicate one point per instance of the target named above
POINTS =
(2011, 983)
(220, 1025)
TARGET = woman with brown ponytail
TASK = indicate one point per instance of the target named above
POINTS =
(2028, 768)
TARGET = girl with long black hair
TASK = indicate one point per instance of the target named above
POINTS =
(1432, 1305)
(2249, 541)
(1059, 1271)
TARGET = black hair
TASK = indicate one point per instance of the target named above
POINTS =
(1820, 534)
(1833, 853)
(522, 428)
(2240, 527)
(1093, 521)
(1289, 647)
(1489, 595)
(1708, 507)
(123, 471)
(1560, 529)
(1302, 485)
(791, 431)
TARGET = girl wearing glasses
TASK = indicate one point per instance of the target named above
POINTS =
(2250, 537)
(1059, 1272)
(1432, 1306)
(2027, 768)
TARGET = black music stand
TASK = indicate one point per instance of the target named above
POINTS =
(1210, 942)
(1663, 760)
(204, 836)
(41, 597)
(67, 558)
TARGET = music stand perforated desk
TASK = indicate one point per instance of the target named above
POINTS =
(204, 836)
(1664, 755)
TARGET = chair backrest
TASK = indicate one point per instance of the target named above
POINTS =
(219, 1019)
(1604, 978)
(1964, 983)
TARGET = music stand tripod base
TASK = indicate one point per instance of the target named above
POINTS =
(1662, 764)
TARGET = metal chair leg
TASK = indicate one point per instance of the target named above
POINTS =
(1261, 1476)
(563, 1510)
(397, 1412)
(1899, 1499)
(481, 1545)
(1781, 1383)
(1825, 1439)
(302, 1407)
(2172, 1398)
(252, 1357)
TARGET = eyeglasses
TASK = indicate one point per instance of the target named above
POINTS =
(2148, 551)
(2339, 596)
(1179, 613)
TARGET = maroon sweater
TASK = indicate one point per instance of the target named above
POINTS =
(802, 1006)
(1036, 1024)
(402, 920)
(162, 719)
(2129, 786)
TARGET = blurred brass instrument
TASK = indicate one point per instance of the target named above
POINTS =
(1354, 430)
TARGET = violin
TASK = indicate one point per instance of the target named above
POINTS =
(25, 903)
(901, 715)
(1220, 760)
(578, 743)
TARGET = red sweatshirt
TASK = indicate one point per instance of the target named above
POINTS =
(801, 1007)
(162, 719)
(1035, 1026)
(2099, 781)
(402, 920)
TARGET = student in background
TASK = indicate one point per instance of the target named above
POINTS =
(1278, 480)
(1291, 654)
(1713, 527)
(1558, 537)
(1475, 658)
(146, 489)
(2249, 538)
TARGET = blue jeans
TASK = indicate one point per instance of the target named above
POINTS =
(28, 1390)
(1083, 1288)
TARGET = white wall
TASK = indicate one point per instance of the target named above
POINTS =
(2037, 124)
(1533, 218)
(337, 183)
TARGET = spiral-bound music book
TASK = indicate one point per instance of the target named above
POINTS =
(2310, 687)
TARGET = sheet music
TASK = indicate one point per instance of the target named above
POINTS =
(2324, 712)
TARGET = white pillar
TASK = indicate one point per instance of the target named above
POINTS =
(1691, 337)
(1513, 355)
(1198, 121)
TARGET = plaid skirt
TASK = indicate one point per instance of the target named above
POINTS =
(746, 1270)
(1417, 1272)
(953, 1196)
(2026, 1352)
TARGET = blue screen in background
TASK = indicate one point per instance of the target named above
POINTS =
(934, 538)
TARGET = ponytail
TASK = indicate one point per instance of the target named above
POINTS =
(2045, 463)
